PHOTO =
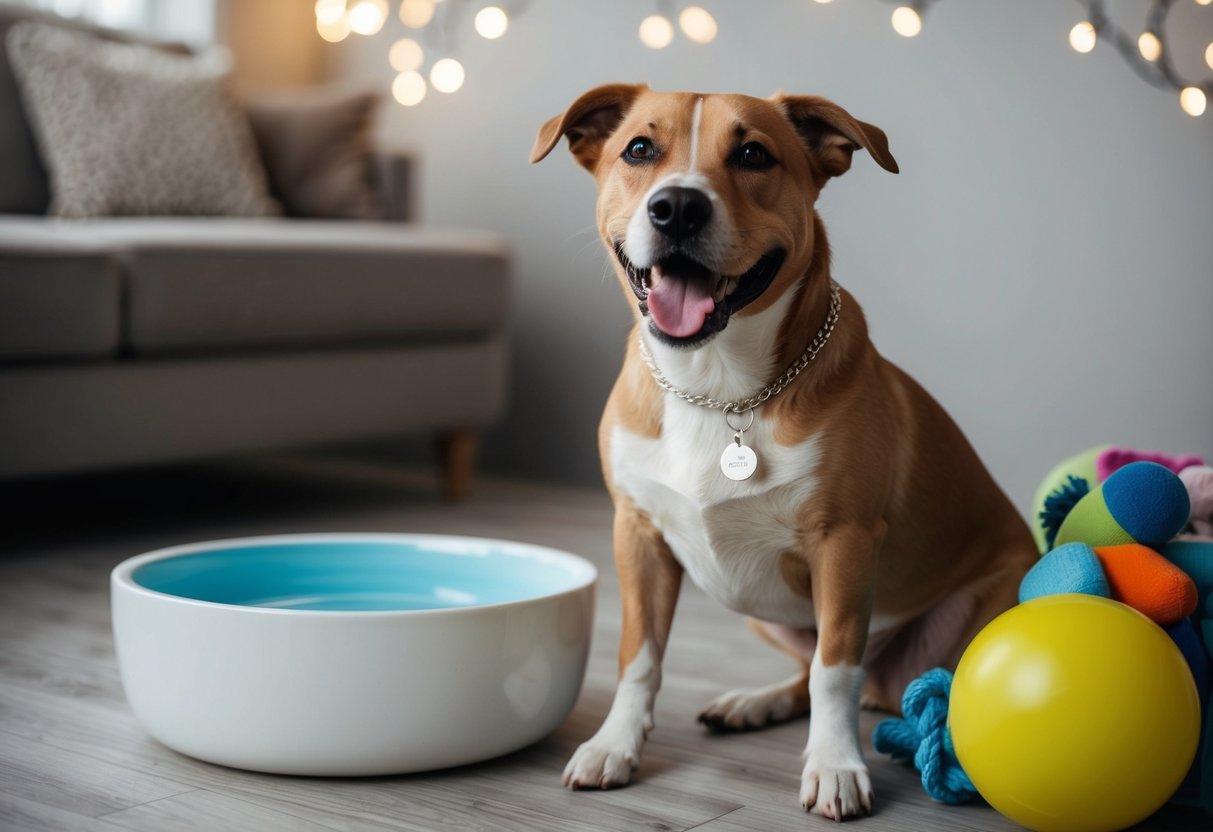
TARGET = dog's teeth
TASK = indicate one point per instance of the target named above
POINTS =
(731, 285)
(721, 289)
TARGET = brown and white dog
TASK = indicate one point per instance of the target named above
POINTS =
(870, 543)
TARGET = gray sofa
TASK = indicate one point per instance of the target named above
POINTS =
(139, 340)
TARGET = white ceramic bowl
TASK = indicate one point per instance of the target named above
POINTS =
(352, 654)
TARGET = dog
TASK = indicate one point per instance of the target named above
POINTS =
(756, 441)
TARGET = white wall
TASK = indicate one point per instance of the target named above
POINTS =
(1043, 264)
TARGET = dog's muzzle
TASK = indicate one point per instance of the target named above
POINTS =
(686, 302)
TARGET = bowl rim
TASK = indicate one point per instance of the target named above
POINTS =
(122, 575)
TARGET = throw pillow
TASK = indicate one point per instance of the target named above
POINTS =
(131, 129)
(316, 146)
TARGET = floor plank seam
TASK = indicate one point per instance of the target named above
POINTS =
(277, 807)
(713, 820)
(68, 749)
(105, 815)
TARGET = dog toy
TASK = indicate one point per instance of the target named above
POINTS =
(1206, 626)
(1110, 460)
(1194, 555)
(1183, 633)
(1130, 573)
(1074, 712)
(1148, 582)
(1073, 567)
(923, 737)
(1067, 483)
(1072, 478)
(1197, 788)
(1143, 502)
(1198, 479)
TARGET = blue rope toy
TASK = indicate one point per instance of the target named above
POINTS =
(924, 736)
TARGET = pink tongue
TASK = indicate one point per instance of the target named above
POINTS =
(679, 307)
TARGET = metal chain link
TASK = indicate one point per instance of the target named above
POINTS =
(776, 387)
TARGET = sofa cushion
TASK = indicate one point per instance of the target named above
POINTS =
(23, 185)
(316, 146)
(127, 128)
(24, 188)
(201, 284)
(59, 293)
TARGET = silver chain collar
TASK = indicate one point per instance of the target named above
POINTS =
(774, 389)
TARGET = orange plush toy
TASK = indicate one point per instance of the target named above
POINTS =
(1148, 582)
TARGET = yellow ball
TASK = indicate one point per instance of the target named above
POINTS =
(1072, 712)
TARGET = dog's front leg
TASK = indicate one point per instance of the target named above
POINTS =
(835, 782)
(649, 580)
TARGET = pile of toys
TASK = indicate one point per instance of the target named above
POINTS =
(1087, 705)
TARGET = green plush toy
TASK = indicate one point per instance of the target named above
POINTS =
(1062, 487)
(1142, 502)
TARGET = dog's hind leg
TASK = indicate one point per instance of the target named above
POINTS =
(752, 708)
(939, 636)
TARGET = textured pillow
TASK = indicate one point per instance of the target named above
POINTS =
(316, 146)
(131, 129)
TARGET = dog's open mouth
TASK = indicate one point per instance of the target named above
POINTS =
(687, 302)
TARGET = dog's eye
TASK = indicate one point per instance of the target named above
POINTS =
(753, 156)
(639, 149)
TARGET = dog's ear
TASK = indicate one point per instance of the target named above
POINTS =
(587, 122)
(832, 134)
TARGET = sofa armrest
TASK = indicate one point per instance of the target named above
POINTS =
(393, 173)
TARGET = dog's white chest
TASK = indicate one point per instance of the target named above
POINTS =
(729, 536)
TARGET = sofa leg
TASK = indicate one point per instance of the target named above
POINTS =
(458, 452)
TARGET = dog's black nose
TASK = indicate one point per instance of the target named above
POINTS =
(679, 213)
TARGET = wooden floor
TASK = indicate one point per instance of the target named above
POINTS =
(73, 758)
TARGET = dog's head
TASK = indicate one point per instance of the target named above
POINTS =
(707, 201)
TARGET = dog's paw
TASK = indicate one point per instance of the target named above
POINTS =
(746, 710)
(836, 793)
(598, 765)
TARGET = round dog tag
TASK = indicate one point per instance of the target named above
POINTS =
(738, 462)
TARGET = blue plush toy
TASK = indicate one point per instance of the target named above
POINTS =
(1071, 567)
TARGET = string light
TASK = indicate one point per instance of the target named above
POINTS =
(656, 32)
(406, 55)
(1082, 36)
(1146, 51)
(1149, 46)
(447, 75)
(698, 24)
(329, 11)
(416, 13)
(907, 17)
(368, 16)
(1147, 54)
(409, 88)
(906, 21)
(491, 22)
(1192, 100)
(336, 30)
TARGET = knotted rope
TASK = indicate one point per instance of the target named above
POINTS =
(923, 735)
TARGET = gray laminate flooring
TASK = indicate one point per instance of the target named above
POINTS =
(72, 757)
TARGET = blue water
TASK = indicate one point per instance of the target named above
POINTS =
(362, 575)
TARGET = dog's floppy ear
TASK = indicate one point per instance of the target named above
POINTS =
(587, 122)
(832, 134)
